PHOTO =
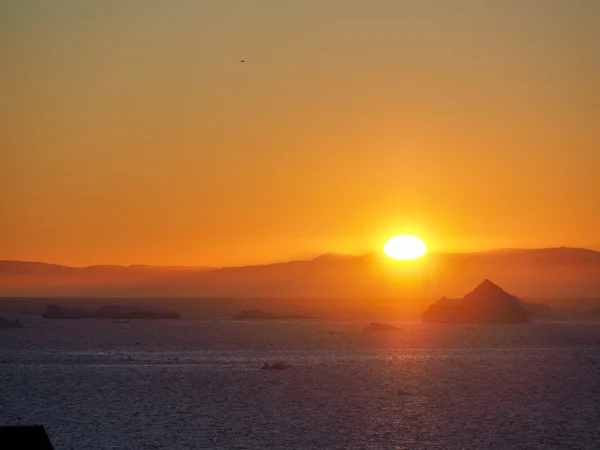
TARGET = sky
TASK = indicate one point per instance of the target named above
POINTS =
(131, 133)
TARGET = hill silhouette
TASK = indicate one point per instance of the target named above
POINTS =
(488, 303)
(537, 273)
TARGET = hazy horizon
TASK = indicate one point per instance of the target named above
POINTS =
(305, 258)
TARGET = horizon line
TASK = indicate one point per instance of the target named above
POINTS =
(332, 254)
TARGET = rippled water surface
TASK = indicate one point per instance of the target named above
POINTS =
(198, 385)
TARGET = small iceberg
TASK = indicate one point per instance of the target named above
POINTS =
(275, 366)
(259, 314)
(5, 323)
(376, 326)
(114, 312)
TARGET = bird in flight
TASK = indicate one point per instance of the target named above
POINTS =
(242, 60)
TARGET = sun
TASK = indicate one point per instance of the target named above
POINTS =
(404, 247)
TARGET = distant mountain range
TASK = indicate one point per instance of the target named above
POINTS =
(533, 273)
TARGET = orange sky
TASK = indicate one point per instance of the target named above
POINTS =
(131, 133)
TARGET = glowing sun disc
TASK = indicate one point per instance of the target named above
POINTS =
(405, 247)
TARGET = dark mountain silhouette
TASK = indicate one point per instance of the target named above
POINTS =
(488, 303)
(538, 273)
(39, 268)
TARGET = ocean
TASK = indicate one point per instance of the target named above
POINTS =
(192, 384)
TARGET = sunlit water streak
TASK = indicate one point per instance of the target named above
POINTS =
(195, 384)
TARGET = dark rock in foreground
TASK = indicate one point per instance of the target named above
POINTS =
(108, 312)
(488, 303)
(25, 437)
(259, 314)
(376, 326)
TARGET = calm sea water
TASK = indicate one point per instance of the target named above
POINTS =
(198, 385)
